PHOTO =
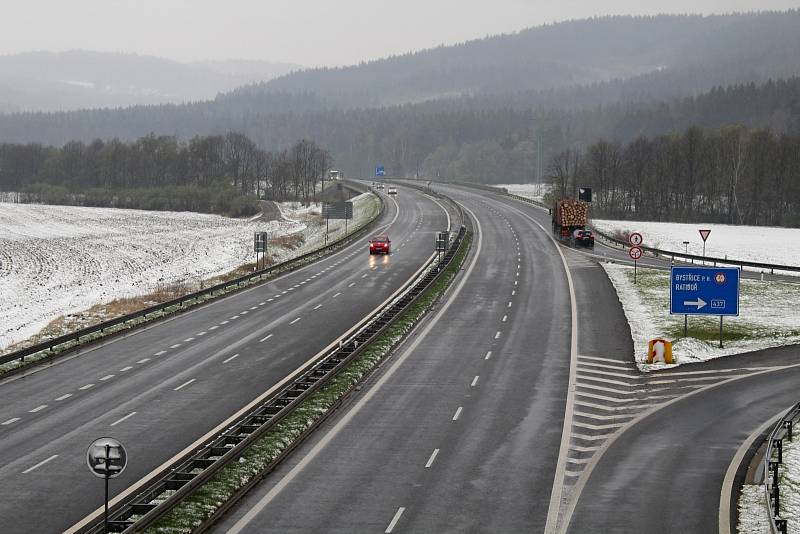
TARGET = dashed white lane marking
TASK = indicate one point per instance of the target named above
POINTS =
(270, 300)
(474, 381)
(284, 292)
(184, 384)
(395, 519)
(175, 346)
(505, 318)
(295, 320)
(231, 358)
(517, 273)
(126, 368)
(509, 303)
(243, 312)
(497, 335)
(488, 355)
(318, 306)
(118, 421)
(159, 353)
(262, 303)
(514, 292)
(351, 284)
(40, 464)
(64, 396)
(10, 421)
(107, 377)
(234, 317)
(201, 334)
(364, 275)
(144, 360)
(224, 323)
(458, 412)
(337, 294)
(253, 307)
(263, 339)
(432, 458)
(87, 386)
(38, 408)
(214, 327)
(188, 340)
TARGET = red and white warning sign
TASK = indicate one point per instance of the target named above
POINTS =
(636, 239)
(635, 253)
(704, 234)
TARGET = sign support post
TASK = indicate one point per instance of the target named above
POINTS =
(704, 234)
(635, 253)
(720, 331)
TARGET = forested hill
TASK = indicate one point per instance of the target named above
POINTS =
(698, 52)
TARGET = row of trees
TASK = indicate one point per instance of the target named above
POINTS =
(733, 175)
(158, 162)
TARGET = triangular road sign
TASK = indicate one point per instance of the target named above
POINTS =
(704, 234)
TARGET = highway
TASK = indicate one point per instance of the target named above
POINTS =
(161, 388)
(461, 430)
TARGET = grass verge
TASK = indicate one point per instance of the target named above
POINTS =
(200, 506)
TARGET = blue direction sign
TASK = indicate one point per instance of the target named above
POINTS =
(704, 291)
(380, 171)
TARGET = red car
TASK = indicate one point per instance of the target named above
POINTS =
(380, 244)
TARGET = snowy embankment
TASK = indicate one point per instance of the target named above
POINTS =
(762, 244)
(59, 260)
(768, 317)
(532, 191)
(753, 512)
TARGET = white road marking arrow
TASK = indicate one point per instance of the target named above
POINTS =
(700, 303)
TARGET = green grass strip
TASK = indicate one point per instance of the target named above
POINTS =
(200, 505)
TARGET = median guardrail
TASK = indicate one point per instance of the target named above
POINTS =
(61, 345)
(188, 474)
(773, 459)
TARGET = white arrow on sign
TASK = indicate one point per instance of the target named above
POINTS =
(700, 303)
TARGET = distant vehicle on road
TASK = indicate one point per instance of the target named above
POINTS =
(569, 217)
(380, 244)
(583, 238)
(392, 190)
(380, 186)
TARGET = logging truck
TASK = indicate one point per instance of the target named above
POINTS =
(570, 218)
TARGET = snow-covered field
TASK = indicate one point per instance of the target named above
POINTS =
(753, 518)
(57, 260)
(768, 317)
(532, 191)
(750, 243)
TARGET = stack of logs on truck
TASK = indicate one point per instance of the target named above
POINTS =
(570, 218)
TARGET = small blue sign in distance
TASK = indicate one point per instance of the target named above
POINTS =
(380, 171)
(704, 291)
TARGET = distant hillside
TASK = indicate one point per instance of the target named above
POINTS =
(695, 52)
(46, 81)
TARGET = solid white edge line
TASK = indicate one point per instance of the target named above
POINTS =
(40, 464)
(432, 459)
(118, 421)
(226, 423)
(558, 483)
(395, 519)
(357, 407)
(730, 474)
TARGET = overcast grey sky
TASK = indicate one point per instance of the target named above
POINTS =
(310, 32)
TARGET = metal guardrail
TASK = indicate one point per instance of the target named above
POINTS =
(773, 459)
(188, 300)
(655, 251)
(702, 259)
(189, 473)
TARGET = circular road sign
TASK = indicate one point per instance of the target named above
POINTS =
(636, 239)
(635, 253)
(719, 278)
(106, 458)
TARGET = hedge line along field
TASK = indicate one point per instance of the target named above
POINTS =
(59, 260)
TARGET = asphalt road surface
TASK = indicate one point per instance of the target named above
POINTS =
(461, 430)
(163, 387)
